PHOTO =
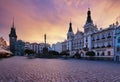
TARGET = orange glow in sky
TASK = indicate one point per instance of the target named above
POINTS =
(34, 18)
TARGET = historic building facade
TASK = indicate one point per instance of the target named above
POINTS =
(101, 41)
(37, 47)
(57, 47)
(12, 39)
(117, 44)
(16, 46)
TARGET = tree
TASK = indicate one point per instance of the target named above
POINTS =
(45, 51)
(90, 53)
(65, 53)
(77, 55)
(53, 52)
(29, 52)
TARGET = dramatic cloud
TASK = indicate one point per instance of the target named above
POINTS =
(34, 18)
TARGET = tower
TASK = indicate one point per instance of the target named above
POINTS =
(89, 28)
(89, 20)
(45, 49)
(12, 38)
(70, 36)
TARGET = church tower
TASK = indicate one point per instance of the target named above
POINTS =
(89, 28)
(12, 38)
(70, 36)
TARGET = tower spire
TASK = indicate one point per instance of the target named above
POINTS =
(13, 23)
(89, 20)
(70, 27)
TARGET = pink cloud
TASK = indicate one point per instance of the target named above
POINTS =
(33, 18)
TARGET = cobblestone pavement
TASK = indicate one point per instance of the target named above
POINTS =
(22, 69)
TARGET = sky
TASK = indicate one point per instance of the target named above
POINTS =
(34, 18)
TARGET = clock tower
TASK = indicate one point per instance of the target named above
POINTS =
(12, 39)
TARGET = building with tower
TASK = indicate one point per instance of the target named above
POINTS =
(12, 38)
(101, 41)
(16, 46)
(117, 44)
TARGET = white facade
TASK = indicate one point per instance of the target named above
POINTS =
(57, 47)
(100, 41)
(37, 47)
(117, 44)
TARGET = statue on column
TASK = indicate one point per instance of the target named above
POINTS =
(45, 49)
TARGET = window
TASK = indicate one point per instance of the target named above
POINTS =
(109, 35)
(93, 39)
(97, 53)
(103, 45)
(103, 54)
(118, 48)
(97, 37)
(119, 40)
(86, 39)
(103, 36)
(109, 53)
(109, 45)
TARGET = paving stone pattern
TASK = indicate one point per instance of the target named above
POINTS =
(22, 69)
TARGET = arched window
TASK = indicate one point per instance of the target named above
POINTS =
(103, 54)
(97, 53)
(109, 53)
(119, 40)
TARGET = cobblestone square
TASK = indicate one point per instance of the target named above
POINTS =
(22, 69)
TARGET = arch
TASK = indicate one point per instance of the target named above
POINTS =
(81, 53)
(77, 55)
(98, 53)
